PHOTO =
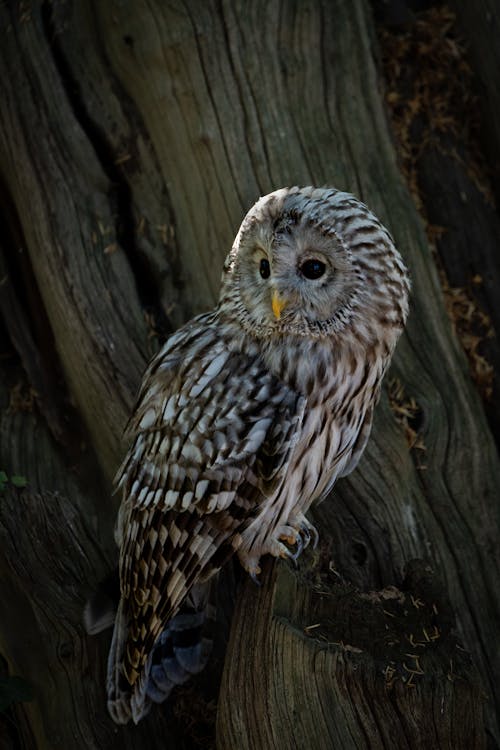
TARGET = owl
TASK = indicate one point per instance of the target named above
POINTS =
(247, 415)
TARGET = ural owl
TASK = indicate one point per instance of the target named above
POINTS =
(249, 413)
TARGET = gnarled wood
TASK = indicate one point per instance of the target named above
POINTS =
(327, 666)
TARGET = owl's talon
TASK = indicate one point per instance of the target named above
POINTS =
(282, 551)
(308, 531)
(288, 534)
(315, 535)
(298, 532)
(305, 536)
(253, 575)
(300, 547)
(250, 563)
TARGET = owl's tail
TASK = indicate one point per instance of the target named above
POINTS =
(181, 651)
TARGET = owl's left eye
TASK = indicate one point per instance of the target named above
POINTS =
(264, 268)
(313, 268)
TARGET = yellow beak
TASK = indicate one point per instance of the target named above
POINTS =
(278, 304)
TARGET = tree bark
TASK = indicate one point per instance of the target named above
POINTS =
(133, 138)
(326, 666)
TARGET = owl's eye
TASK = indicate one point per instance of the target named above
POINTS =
(313, 268)
(265, 268)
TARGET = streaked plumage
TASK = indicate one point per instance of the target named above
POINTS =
(250, 412)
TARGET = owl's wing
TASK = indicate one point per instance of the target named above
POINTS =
(213, 431)
(207, 421)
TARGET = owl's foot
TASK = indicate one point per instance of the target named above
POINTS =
(276, 548)
(293, 538)
(299, 532)
(250, 563)
(309, 531)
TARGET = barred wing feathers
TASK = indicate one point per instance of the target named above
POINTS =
(213, 431)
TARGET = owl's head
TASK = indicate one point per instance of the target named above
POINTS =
(310, 261)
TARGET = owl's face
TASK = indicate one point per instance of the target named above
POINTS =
(295, 268)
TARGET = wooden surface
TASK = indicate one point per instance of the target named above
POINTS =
(326, 666)
(133, 138)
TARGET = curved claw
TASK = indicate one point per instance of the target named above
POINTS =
(309, 532)
(314, 533)
(300, 533)
(306, 536)
(253, 575)
(285, 552)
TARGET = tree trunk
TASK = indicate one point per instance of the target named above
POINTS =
(133, 138)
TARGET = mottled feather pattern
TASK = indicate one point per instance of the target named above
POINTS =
(200, 455)
(249, 413)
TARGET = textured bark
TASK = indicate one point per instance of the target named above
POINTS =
(133, 138)
(327, 666)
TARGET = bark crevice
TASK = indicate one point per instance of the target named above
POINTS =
(119, 190)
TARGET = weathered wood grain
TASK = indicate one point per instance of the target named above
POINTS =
(67, 215)
(381, 669)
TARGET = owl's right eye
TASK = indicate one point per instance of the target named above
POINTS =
(265, 268)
